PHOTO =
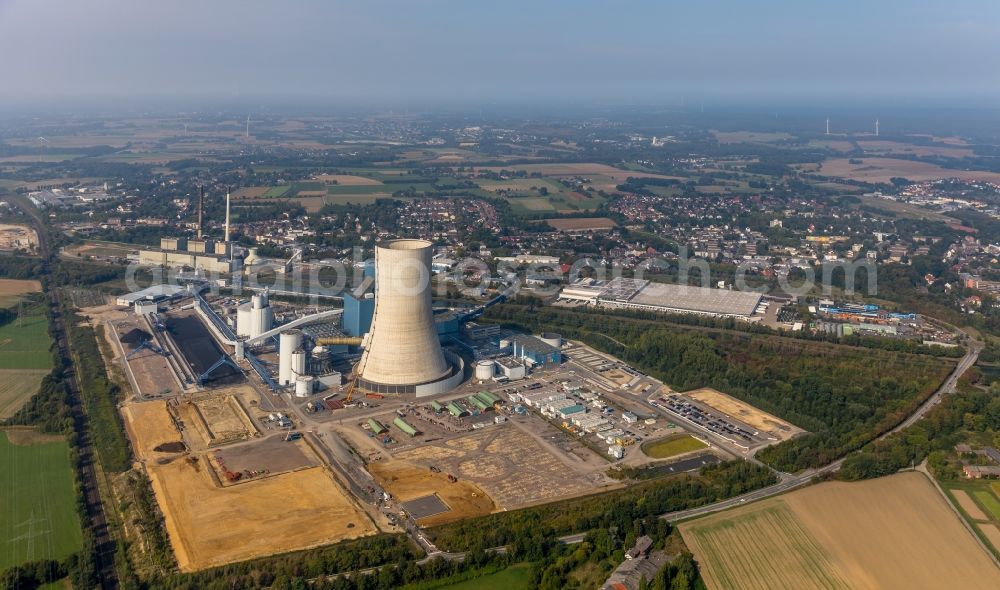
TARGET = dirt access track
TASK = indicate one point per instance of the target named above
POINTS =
(211, 526)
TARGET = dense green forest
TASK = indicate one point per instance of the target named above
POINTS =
(844, 396)
(100, 396)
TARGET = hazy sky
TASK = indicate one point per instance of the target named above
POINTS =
(604, 50)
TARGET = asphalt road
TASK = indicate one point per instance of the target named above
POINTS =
(104, 542)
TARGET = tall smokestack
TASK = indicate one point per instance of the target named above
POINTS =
(227, 216)
(201, 211)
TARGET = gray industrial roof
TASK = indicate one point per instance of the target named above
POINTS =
(698, 299)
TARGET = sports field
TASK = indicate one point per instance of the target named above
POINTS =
(672, 446)
(38, 517)
(891, 532)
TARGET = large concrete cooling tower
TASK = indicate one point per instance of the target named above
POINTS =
(403, 349)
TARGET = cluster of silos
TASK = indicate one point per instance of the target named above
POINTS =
(255, 317)
(403, 350)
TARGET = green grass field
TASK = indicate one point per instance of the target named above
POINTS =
(25, 346)
(513, 578)
(988, 500)
(38, 518)
(275, 192)
(672, 446)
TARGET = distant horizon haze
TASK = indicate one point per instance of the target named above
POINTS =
(419, 52)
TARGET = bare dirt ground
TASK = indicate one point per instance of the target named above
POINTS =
(884, 169)
(218, 418)
(507, 463)
(408, 481)
(149, 425)
(250, 192)
(210, 526)
(892, 532)
(745, 413)
(17, 236)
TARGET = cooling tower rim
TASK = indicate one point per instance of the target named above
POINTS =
(405, 244)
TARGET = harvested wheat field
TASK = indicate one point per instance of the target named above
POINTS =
(407, 481)
(745, 413)
(969, 505)
(150, 425)
(892, 532)
(884, 169)
(11, 290)
(210, 526)
(347, 179)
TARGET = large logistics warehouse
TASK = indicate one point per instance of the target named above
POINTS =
(663, 297)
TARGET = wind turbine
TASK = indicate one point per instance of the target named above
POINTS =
(248, 126)
(828, 125)
(876, 127)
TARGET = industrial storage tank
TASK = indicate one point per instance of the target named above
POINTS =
(403, 349)
(552, 339)
(243, 320)
(304, 386)
(484, 370)
(298, 364)
(288, 342)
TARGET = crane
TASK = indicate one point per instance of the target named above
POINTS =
(296, 256)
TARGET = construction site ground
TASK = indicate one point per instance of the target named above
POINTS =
(270, 455)
(150, 371)
(216, 418)
(211, 525)
(745, 413)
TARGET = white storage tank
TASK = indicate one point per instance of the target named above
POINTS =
(288, 343)
(298, 364)
(304, 386)
(243, 320)
(484, 370)
(552, 339)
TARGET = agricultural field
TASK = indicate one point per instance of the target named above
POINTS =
(979, 503)
(38, 518)
(884, 169)
(881, 146)
(671, 446)
(892, 532)
(24, 360)
(25, 342)
(749, 137)
(13, 290)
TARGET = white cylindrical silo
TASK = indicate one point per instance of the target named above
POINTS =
(403, 348)
(243, 320)
(304, 386)
(298, 364)
(288, 343)
(551, 338)
(484, 370)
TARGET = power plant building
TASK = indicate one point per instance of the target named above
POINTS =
(254, 317)
(403, 352)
